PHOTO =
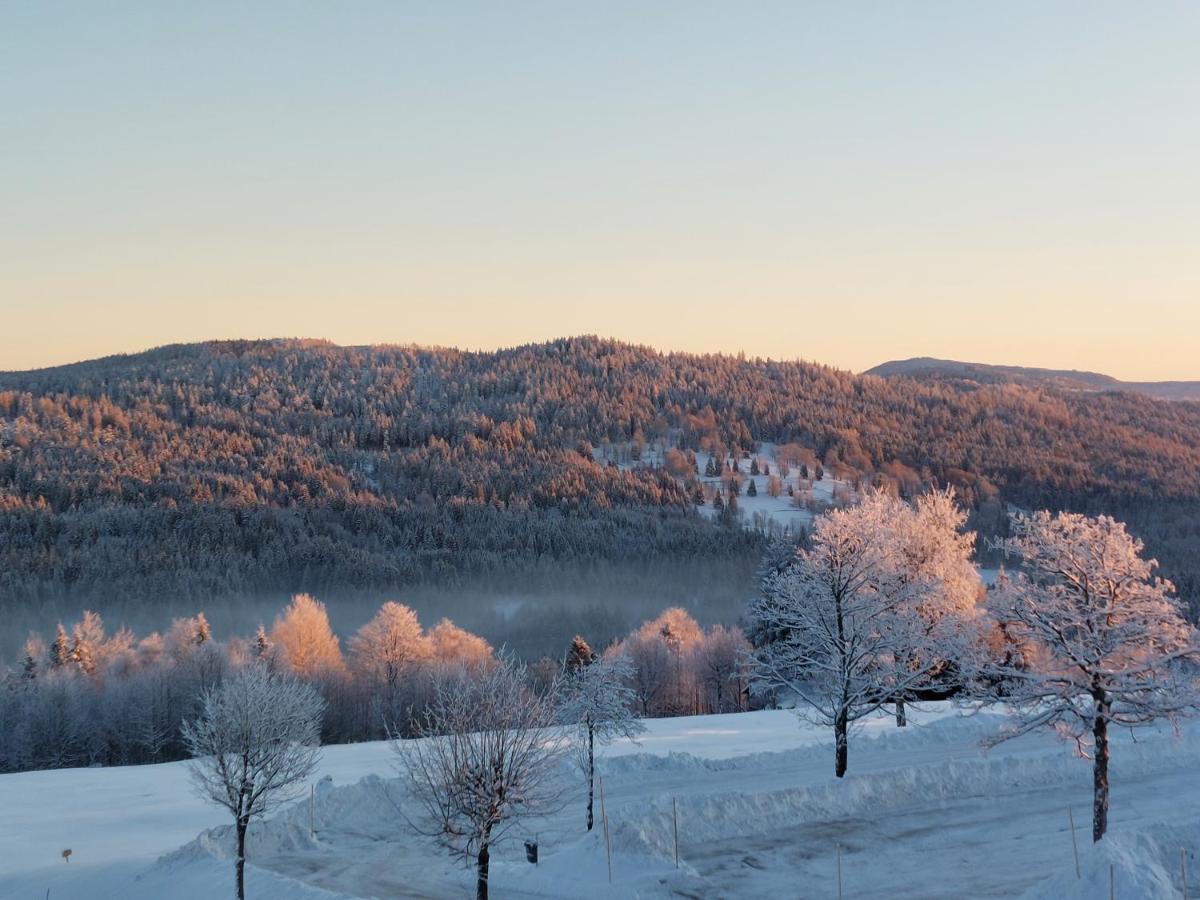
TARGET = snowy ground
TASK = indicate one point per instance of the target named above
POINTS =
(922, 814)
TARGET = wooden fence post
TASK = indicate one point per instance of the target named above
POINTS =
(675, 817)
(607, 842)
(1074, 842)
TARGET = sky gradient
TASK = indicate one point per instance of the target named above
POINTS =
(1009, 183)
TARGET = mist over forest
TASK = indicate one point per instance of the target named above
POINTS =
(532, 618)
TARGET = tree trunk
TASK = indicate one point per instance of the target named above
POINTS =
(241, 858)
(481, 881)
(901, 717)
(840, 728)
(591, 773)
(1100, 768)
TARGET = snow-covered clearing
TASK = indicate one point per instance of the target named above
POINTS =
(922, 814)
(760, 511)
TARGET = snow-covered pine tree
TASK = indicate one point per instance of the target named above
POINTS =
(579, 654)
(1100, 639)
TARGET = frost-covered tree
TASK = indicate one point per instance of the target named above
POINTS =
(596, 699)
(384, 653)
(386, 645)
(721, 668)
(256, 740)
(186, 635)
(304, 641)
(832, 622)
(661, 651)
(60, 650)
(1100, 638)
(86, 640)
(579, 654)
(454, 646)
(262, 643)
(485, 757)
(934, 573)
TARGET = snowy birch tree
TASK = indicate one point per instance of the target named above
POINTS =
(1100, 639)
(832, 622)
(596, 698)
(255, 741)
(484, 758)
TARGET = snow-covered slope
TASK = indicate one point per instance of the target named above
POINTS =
(922, 814)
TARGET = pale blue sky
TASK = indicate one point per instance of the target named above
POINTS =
(1007, 182)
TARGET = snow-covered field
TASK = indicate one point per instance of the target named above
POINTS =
(922, 814)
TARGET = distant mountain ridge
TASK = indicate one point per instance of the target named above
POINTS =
(926, 367)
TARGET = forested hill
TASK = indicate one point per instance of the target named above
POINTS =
(227, 466)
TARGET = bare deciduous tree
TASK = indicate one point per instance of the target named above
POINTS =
(1099, 637)
(256, 740)
(485, 757)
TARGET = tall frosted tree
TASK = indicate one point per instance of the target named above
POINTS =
(253, 745)
(596, 699)
(304, 641)
(386, 645)
(937, 579)
(834, 620)
(384, 653)
(87, 639)
(1100, 640)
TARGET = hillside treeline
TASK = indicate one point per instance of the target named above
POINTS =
(231, 466)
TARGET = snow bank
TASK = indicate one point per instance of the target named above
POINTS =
(719, 815)
(1142, 864)
(368, 808)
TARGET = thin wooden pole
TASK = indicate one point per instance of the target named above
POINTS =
(607, 842)
(675, 817)
(839, 870)
(1074, 842)
(1183, 870)
(1112, 886)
